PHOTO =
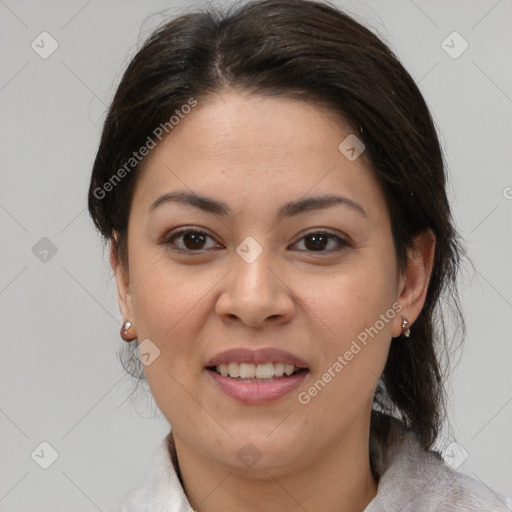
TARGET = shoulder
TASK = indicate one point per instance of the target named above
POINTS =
(413, 479)
(461, 492)
(162, 490)
(135, 500)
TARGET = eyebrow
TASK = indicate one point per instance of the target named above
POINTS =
(290, 209)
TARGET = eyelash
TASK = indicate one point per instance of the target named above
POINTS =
(169, 241)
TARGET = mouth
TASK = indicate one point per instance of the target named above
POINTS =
(254, 384)
(256, 376)
(250, 373)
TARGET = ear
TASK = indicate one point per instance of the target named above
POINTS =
(123, 284)
(414, 282)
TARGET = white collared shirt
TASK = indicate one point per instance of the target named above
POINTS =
(410, 480)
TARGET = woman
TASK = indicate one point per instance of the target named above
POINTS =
(273, 190)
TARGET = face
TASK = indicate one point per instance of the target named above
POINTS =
(298, 285)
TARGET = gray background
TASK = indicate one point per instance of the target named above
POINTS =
(61, 381)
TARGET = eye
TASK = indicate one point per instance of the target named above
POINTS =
(318, 241)
(195, 241)
(189, 240)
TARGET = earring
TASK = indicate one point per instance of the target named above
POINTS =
(405, 323)
(124, 331)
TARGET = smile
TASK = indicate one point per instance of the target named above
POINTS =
(256, 376)
(256, 371)
(254, 390)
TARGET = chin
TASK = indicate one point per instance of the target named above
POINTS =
(250, 450)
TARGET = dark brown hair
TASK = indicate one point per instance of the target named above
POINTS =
(311, 51)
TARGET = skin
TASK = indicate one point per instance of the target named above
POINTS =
(256, 153)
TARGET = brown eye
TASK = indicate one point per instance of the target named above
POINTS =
(194, 240)
(189, 240)
(318, 241)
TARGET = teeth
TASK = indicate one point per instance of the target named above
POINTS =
(278, 369)
(259, 371)
(288, 369)
(247, 371)
(265, 371)
(233, 370)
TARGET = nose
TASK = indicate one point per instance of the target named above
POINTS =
(255, 294)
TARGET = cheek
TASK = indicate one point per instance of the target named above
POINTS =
(347, 309)
(349, 299)
(353, 341)
(169, 307)
(164, 294)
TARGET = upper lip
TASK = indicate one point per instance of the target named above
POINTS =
(260, 356)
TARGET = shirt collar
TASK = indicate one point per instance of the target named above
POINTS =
(409, 479)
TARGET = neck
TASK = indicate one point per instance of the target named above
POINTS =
(337, 480)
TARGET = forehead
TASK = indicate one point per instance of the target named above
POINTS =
(238, 147)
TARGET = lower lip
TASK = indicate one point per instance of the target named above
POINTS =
(258, 392)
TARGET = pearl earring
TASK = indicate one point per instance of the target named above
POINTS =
(124, 331)
(405, 323)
